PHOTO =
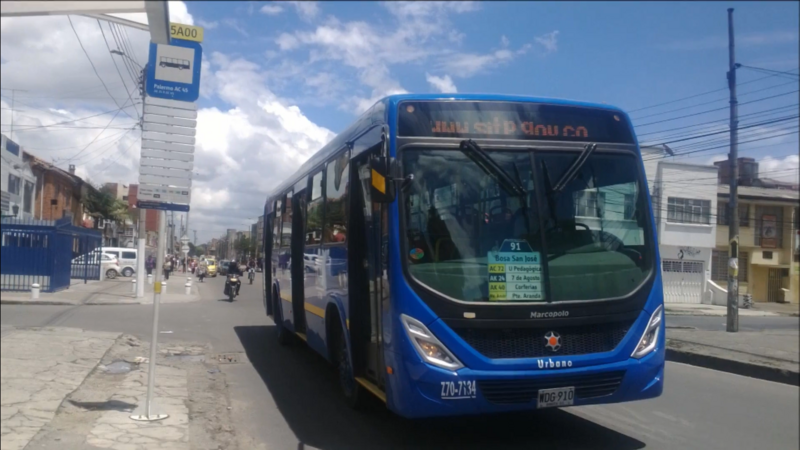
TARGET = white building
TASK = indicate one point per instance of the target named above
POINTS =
(17, 182)
(684, 198)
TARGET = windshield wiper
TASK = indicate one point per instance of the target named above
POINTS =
(490, 166)
(573, 169)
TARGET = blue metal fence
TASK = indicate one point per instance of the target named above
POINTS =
(46, 252)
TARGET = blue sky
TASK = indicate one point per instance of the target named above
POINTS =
(628, 54)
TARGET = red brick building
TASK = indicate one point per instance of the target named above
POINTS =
(59, 193)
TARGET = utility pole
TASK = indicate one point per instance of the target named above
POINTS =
(732, 325)
(195, 237)
(140, 267)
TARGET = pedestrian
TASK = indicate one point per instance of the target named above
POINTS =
(167, 267)
(150, 264)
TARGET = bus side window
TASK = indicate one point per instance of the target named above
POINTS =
(314, 209)
(337, 185)
(286, 236)
(276, 234)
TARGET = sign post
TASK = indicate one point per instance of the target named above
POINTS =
(172, 85)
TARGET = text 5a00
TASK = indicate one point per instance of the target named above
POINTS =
(454, 390)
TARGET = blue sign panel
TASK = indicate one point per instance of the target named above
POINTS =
(162, 206)
(173, 71)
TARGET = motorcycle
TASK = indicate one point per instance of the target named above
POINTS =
(232, 285)
(251, 274)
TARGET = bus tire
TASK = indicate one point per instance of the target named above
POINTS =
(355, 395)
(284, 337)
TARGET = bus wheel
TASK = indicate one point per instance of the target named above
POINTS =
(284, 337)
(354, 394)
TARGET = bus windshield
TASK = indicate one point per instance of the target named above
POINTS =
(470, 239)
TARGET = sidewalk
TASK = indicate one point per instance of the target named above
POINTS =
(696, 309)
(772, 355)
(107, 292)
(69, 389)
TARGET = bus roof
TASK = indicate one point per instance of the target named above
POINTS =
(380, 114)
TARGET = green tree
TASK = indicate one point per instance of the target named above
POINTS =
(103, 205)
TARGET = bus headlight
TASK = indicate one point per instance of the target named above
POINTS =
(428, 347)
(649, 338)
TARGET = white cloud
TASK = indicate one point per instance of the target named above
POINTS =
(469, 64)
(235, 25)
(271, 9)
(548, 41)
(207, 25)
(782, 169)
(307, 10)
(442, 84)
(243, 148)
(287, 41)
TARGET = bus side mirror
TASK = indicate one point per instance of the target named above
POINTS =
(381, 180)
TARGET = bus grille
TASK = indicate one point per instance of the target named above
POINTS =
(525, 391)
(530, 342)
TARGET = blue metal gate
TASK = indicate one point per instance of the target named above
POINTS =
(47, 252)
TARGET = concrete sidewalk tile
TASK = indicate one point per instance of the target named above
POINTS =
(39, 368)
(772, 354)
(116, 430)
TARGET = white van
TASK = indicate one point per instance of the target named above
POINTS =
(126, 258)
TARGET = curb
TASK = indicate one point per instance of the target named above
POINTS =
(45, 302)
(732, 366)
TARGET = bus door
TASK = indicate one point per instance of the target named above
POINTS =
(298, 261)
(367, 273)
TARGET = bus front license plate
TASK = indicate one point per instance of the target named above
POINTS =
(549, 398)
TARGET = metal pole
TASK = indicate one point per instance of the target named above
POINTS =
(11, 131)
(732, 324)
(149, 413)
(141, 249)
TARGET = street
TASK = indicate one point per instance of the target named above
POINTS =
(745, 323)
(282, 397)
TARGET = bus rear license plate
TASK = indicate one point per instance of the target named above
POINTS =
(549, 398)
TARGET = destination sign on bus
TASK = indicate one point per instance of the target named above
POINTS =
(511, 120)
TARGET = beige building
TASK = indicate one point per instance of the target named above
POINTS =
(768, 239)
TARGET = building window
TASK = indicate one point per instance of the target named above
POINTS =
(630, 206)
(13, 184)
(771, 235)
(719, 266)
(722, 214)
(589, 203)
(686, 210)
(27, 198)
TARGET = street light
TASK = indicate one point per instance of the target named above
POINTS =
(117, 52)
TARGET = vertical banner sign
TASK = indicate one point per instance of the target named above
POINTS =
(769, 231)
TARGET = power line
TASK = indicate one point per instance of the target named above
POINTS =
(776, 72)
(715, 101)
(132, 72)
(723, 146)
(45, 149)
(718, 109)
(119, 153)
(768, 112)
(117, 67)
(97, 151)
(783, 119)
(699, 95)
(95, 70)
(72, 121)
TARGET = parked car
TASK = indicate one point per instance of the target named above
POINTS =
(110, 266)
(126, 257)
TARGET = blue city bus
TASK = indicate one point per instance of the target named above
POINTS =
(468, 254)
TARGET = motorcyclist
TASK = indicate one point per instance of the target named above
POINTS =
(233, 269)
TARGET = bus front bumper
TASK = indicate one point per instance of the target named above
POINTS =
(421, 390)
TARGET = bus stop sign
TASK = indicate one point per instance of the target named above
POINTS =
(173, 71)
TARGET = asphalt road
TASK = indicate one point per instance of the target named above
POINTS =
(282, 397)
(746, 323)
